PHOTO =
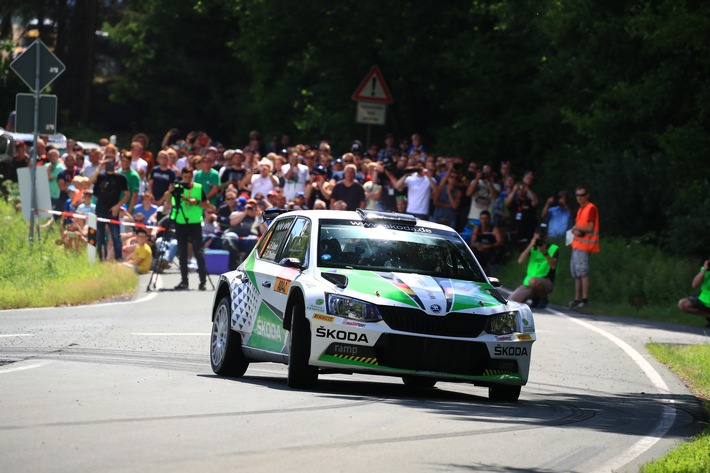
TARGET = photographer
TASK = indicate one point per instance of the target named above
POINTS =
(420, 185)
(111, 192)
(699, 305)
(187, 200)
(542, 267)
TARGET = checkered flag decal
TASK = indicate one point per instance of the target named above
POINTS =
(244, 304)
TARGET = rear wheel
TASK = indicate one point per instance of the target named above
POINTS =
(504, 393)
(418, 382)
(226, 354)
(300, 374)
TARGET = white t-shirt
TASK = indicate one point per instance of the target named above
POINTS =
(418, 194)
(180, 163)
(261, 184)
(298, 180)
(481, 200)
(140, 164)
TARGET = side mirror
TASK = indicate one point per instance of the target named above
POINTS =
(494, 282)
(291, 263)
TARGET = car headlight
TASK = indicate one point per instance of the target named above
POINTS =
(352, 308)
(503, 323)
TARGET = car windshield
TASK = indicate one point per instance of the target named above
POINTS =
(395, 247)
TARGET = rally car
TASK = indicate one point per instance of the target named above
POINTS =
(369, 292)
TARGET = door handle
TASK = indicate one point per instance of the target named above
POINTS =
(266, 284)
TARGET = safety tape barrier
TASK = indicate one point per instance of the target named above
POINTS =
(103, 220)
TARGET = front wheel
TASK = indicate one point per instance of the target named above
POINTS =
(226, 354)
(301, 375)
(504, 393)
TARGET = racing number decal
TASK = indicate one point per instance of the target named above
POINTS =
(282, 285)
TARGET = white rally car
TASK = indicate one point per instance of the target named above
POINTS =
(369, 292)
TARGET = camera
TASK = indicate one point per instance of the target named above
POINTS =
(539, 242)
(178, 190)
(485, 176)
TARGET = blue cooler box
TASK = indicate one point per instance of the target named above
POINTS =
(216, 261)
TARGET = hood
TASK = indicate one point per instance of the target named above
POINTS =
(433, 295)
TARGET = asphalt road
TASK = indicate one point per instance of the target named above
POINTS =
(128, 387)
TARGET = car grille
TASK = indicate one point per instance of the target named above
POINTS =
(455, 324)
(432, 354)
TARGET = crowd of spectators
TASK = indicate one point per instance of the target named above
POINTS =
(494, 208)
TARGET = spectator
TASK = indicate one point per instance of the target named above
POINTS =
(319, 205)
(523, 216)
(401, 204)
(91, 164)
(134, 181)
(699, 305)
(233, 173)
(417, 146)
(54, 167)
(483, 191)
(21, 159)
(161, 177)
(420, 186)
(146, 208)
(319, 188)
(111, 191)
(66, 176)
(585, 242)
(86, 206)
(264, 180)
(243, 232)
(373, 190)
(296, 176)
(539, 281)
(389, 152)
(138, 164)
(557, 215)
(447, 198)
(145, 154)
(486, 241)
(187, 204)
(348, 190)
(142, 254)
(208, 177)
(529, 180)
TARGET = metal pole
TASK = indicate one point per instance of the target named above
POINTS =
(33, 155)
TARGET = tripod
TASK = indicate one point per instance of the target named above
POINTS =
(165, 243)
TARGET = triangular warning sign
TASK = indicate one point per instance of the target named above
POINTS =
(373, 88)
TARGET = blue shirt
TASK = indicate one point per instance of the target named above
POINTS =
(559, 221)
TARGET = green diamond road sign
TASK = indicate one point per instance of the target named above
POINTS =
(25, 107)
(25, 66)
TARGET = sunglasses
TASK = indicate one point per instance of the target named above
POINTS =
(582, 195)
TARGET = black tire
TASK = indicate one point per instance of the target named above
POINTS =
(418, 382)
(301, 375)
(504, 393)
(226, 356)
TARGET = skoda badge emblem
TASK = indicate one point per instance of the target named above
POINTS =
(436, 308)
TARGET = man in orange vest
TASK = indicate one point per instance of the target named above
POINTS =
(586, 241)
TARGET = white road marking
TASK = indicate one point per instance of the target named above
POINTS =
(171, 334)
(11, 369)
(668, 412)
(6, 335)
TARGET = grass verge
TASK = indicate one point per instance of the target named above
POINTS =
(42, 274)
(690, 363)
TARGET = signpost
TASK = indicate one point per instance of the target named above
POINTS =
(37, 67)
(372, 96)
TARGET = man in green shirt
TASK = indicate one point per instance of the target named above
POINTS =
(699, 305)
(542, 267)
(207, 177)
(134, 181)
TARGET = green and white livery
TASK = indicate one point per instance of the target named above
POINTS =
(369, 292)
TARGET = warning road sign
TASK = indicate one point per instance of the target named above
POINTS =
(373, 88)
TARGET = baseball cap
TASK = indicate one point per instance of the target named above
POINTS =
(212, 148)
(272, 192)
(241, 202)
(319, 169)
(71, 188)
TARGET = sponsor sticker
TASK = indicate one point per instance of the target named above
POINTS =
(282, 285)
(319, 301)
(323, 317)
(354, 324)
(510, 350)
(524, 336)
(504, 338)
(341, 335)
